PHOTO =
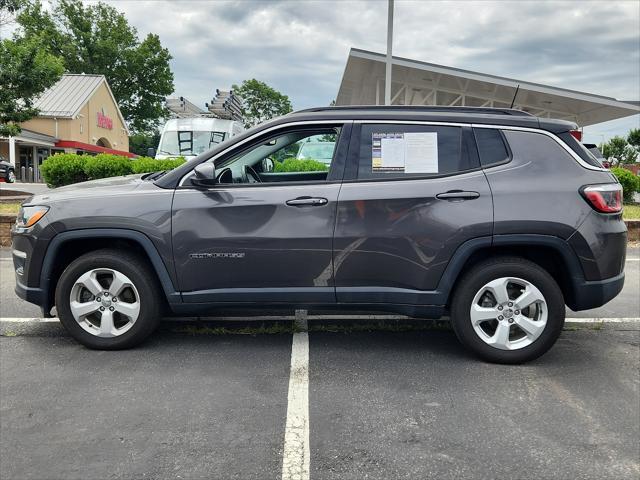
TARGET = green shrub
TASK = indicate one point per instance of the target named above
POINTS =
(630, 182)
(299, 165)
(63, 169)
(67, 168)
(148, 165)
(106, 165)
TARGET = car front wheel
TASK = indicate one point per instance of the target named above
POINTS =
(508, 310)
(108, 300)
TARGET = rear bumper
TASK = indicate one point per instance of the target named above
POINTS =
(593, 294)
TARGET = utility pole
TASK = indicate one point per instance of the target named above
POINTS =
(387, 82)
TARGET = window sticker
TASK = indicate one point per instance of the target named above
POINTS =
(404, 152)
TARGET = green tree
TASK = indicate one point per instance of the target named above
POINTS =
(8, 9)
(634, 139)
(260, 102)
(26, 70)
(618, 151)
(141, 142)
(98, 39)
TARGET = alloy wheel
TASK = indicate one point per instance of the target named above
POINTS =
(104, 302)
(509, 313)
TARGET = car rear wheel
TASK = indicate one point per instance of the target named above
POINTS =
(108, 300)
(508, 310)
(11, 176)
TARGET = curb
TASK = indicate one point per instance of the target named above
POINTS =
(633, 230)
(6, 221)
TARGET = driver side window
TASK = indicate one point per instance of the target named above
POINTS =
(293, 156)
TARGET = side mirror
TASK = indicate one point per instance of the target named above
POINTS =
(151, 152)
(267, 165)
(205, 175)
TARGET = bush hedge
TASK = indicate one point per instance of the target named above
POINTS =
(63, 169)
(299, 165)
(67, 168)
(630, 183)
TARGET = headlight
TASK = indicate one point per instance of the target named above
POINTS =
(30, 215)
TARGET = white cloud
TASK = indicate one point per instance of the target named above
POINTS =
(300, 47)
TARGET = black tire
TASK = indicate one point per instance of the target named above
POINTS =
(481, 274)
(140, 274)
(11, 178)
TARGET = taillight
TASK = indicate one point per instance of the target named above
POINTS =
(577, 134)
(605, 198)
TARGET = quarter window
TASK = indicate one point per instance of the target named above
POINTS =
(491, 146)
(405, 151)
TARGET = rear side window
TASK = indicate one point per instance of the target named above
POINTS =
(491, 146)
(407, 151)
(580, 149)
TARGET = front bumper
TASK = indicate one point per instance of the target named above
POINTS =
(28, 248)
(34, 295)
(593, 294)
(30, 294)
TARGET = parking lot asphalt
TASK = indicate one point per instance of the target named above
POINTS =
(394, 405)
(200, 402)
(179, 407)
(382, 405)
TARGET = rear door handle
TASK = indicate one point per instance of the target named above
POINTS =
(307, 202)
(457, 195)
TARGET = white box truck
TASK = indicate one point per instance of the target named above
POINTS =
(189, 137)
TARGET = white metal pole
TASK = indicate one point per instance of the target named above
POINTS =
(12, 151)
(387, 82)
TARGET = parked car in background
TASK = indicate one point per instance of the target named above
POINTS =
(319, 151)
(595, 151)
(7, 171)
(493, 217)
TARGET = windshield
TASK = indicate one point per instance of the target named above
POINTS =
(317, 151)
(189, 142)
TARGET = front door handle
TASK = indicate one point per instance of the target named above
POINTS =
(457, 195)
(307, 202)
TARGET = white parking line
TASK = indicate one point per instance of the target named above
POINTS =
(295, 458)
(326, 317)
(602, 320)
(26, 320)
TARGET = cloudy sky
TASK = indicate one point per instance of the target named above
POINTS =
(300, 47)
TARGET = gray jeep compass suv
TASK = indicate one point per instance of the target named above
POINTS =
(494, 217)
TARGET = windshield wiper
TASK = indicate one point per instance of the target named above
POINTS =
(155, 175)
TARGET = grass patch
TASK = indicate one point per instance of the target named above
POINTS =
(573, 327)
(401, 326)
(9, 208)
(631, 212)
(277, 328)
(314, 326)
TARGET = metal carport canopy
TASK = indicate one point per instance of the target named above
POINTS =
(421, 83)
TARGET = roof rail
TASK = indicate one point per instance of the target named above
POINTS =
(422, 108)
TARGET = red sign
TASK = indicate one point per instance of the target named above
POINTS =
(104, 121)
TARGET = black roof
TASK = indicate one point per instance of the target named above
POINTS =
(483, 115)
(418, 108)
